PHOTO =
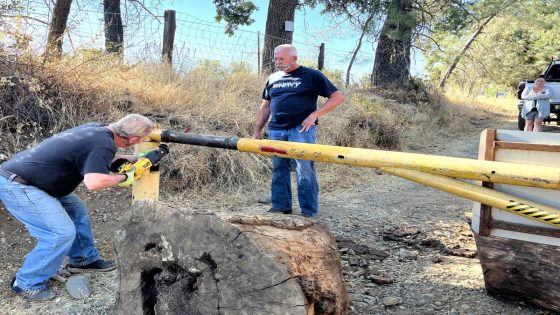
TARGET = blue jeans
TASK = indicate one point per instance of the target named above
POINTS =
(60, 225)
(308, 189)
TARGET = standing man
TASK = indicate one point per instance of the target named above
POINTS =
(536, 105)
(290, 101)
(36, 186)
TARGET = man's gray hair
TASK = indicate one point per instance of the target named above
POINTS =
(290, 48)
(132, 125)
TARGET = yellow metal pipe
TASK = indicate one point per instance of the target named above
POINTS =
(520, 206)
(489, 171)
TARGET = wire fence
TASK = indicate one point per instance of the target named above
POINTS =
(196, 40)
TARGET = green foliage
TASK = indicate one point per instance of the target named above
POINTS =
(517, 44)
(234, 13)
(209, 68)
(335, 76)
(240, 68)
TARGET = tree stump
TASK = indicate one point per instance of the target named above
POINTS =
(171, 261)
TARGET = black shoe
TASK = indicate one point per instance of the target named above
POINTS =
(310, 216)
(99, 265)
(32, 295)
(284, 211)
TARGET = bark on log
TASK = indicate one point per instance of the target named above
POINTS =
(174, 262)
(520, 270)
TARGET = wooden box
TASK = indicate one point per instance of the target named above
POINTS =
(520, 257)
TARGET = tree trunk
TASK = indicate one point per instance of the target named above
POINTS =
(114, 33)
(358, 46)
(279, 11)
(173, 262)
(392, 56)
(57, 28)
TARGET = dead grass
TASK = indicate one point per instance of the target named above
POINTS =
(39, 100)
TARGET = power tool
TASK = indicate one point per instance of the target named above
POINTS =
(144, 163)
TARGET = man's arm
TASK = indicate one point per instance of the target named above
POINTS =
(97, 181)
(334, 100)
(130, 157)
(262, 118)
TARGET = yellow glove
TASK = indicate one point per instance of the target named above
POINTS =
(129, 179)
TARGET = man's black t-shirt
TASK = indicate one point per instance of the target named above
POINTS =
(58, 164)
(293, 96)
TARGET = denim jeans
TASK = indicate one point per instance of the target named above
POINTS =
(308, 189)
(61, 226)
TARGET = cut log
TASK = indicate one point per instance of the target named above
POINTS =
(520, 270)
(171, 261)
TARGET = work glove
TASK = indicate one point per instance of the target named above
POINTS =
(129, 179)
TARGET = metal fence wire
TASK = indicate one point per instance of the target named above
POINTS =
(196, 40)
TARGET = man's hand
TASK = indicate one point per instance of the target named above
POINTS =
(308, 122)
(257, 134)
(129, 179)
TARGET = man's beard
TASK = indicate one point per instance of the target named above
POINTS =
(283, 67)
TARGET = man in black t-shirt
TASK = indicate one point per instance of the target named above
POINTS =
(290, 101)
(36, 186)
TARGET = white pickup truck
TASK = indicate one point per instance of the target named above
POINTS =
(552, 76)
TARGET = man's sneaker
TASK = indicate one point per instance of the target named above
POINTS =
(284, 211)
(310, 216)
(32, 295)
(99, 265)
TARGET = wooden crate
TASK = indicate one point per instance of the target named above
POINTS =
(520, 257)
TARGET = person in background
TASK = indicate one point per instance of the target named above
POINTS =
(536, 106)
(37, 184)
(290, 101)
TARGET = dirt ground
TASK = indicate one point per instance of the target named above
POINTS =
(370, 214)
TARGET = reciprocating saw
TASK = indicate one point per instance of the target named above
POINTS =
(144, 163)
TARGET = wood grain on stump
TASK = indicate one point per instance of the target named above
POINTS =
(171, 261)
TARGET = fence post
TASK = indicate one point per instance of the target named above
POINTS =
(321, 61)
(168, 37)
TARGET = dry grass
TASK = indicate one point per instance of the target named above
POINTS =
(483, 106)
(39, 100)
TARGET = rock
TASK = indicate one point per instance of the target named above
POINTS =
(380, 280)
(78, 286)
(389, 301)
(353, 261)
(265, 200)
(407, 255)
(427, 296)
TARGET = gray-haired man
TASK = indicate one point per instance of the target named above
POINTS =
(36, 186)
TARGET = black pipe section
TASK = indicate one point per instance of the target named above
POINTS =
(202, 140)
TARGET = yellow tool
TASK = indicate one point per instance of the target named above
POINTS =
(144, 163)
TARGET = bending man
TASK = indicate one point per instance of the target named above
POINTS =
(36, 186)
